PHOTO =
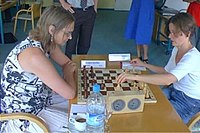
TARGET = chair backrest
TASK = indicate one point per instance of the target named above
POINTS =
(193, 121)
(36, 8)
(26, 116)
(159, 4)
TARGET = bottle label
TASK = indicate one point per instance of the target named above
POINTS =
(95, 119)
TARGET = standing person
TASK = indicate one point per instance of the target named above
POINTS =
(194, 10)
(85, 18)
(30, 82)
(140, 26)
(182, 69)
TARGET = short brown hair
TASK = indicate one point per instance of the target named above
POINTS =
(53, 15)
(183, 22)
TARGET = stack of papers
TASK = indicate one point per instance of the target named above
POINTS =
(129, 66)
(77, 109)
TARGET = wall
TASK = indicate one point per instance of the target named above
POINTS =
(107, 4)
(125, 4)
(114, 4)
(47, 3)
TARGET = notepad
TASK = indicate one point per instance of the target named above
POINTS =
(128, 65)
(77, 109)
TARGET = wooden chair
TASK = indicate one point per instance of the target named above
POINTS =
(192, 122)
(28, 14)
(26, 116)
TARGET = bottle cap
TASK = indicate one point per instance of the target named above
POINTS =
(96, 88)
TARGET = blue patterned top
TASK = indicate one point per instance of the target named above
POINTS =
(22, 91)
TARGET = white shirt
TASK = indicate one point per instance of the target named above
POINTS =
(187, 71)
(76, 3)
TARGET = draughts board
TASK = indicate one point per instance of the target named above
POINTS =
(107, 79)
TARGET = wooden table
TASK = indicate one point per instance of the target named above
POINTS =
(156, 117)
(3, 7)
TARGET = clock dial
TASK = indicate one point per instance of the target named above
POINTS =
(118, 105)
(134, 104)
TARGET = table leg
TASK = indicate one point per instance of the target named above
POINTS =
(1, 26)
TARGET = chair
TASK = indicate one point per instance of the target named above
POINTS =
(26, 116)
(28, 14)
(162, 20)
(192, 123)
(159, 4)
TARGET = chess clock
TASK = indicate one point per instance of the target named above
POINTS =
(134, 104)
(125, 101)
(118, 105)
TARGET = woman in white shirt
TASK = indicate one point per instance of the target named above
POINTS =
(182, 69)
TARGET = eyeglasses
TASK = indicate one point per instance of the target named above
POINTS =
(176, 34)
(68, 34)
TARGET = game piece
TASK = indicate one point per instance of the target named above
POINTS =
(93, 81)
(84, 69)
(118, 87)
(85, 83)
(126, 71)
(102, 86)
(147, 92)
(85, 89)
(91, 69)
(92, 74)
(134, 84)
(144, 90)
(108, 78)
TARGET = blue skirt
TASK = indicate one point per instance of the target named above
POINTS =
(140, 21)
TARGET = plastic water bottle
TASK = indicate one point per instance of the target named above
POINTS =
(95, 111)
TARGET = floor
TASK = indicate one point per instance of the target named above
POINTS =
(108, 37)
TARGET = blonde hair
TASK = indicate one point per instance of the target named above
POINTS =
(53, 15)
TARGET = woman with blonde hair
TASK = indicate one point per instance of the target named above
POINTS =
(29, 81)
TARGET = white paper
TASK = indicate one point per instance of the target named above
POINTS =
(78, 108)
(128, 65)
(93, 63)
(119, 57)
